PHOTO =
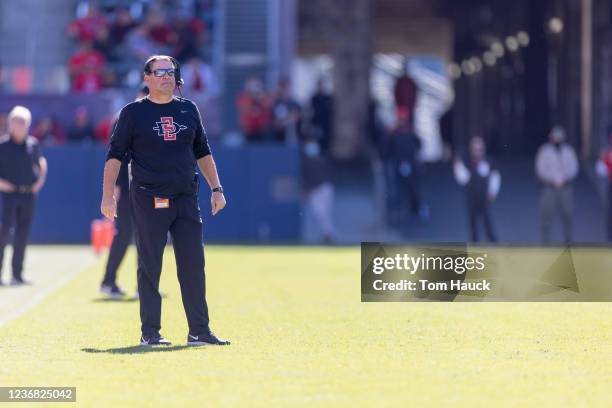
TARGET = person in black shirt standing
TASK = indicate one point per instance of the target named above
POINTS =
(482, 182)
(165, 140)
(402, 153)
(22, 174)
(123, 226)
(321, 105)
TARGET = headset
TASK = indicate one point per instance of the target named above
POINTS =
(178, 80)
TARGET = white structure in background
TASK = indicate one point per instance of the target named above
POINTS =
(434, 96)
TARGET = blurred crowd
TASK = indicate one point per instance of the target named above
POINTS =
(274, 115)
(112, 42)
(112, 39)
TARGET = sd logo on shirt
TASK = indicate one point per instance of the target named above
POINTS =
(168, 128)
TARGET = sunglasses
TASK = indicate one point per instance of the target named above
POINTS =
(163, 71)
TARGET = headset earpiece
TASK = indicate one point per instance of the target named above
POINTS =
(177, 74)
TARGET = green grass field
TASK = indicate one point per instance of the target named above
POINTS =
(301, 337)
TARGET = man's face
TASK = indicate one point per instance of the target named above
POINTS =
(556, 136)
(18, 128)
(477, 148)
(283, 89)
(254, 86)
(164, 83)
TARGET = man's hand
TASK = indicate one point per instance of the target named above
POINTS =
(6, 187)
(217, 202)
(36, 187)
(108, 207)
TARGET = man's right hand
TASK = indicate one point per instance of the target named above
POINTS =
(6, 187)
(558, 183)
(108, 207)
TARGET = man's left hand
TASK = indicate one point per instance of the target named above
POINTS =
(36, 187)
(217, 202)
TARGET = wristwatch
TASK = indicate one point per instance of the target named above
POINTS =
(218, 190)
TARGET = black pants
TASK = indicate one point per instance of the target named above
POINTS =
(478, 209)
(409, 192)
(402, 190)
(151, 226)
(122, 239)
(17, 212)
(555, 201)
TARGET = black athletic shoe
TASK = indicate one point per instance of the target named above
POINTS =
(19, 281)
(112, 291)
(206, 338)
(156, 340)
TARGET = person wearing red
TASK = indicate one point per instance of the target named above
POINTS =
(48, 131)
(85, 28)
(104, 129)
(405, 93)
(254, 107)
(86, 69)
(160, 31)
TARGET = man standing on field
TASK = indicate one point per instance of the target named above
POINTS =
(165, 139)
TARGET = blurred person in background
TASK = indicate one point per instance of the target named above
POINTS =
(402, 156)
(603, 167)
(254, 108)
(82, 130)
(122, 24)
(124, 230)
(138, 44)
(104, 129)
(286, 114)
(84, 29)
(378, 135)
(405, 91)
(482, 183)
(48, 131)
(321, 105)
(556, 167)
(86, 68)
(446, 132)
(203, 88)
(199, 79)
(104, 44)
(23, 171)
(163, 36)
(319, 188)
(191, 35)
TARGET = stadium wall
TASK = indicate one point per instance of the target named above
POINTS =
(262, 186)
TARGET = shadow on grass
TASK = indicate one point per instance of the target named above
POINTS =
(117, 300)
(124, 299)
(137, 349)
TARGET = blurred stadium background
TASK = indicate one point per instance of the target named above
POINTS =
(504, 71)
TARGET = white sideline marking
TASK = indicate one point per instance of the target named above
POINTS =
(49, 268)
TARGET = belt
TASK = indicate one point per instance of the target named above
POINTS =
(24, 189)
